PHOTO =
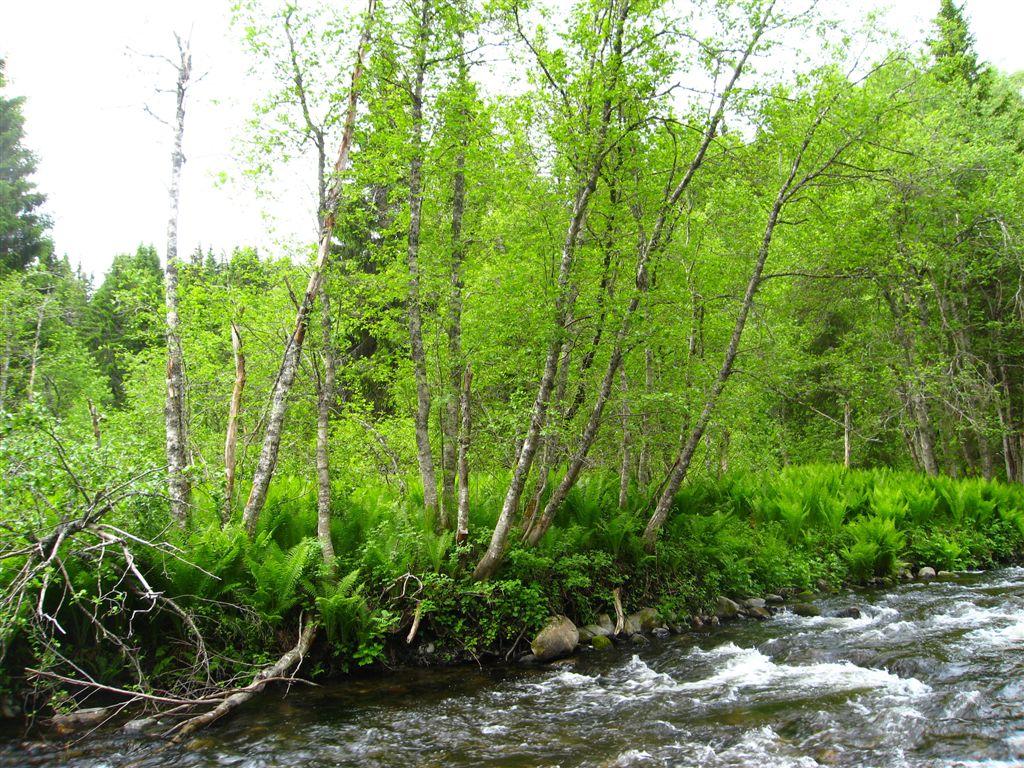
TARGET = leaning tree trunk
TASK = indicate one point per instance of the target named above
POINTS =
(648, 249)
(685, 457)
(175, 422)
(563, 302)
(424, 454)
(293, 347)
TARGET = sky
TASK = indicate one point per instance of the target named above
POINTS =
(104, 163)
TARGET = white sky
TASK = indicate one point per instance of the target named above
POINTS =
(104, 163)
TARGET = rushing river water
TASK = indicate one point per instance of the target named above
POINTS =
(930, 675)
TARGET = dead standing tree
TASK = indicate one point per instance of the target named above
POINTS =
(175, 419)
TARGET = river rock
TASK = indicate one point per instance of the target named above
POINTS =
(714, 621)
(80, 718)
(648, 619)
(774, 599)
(755, 602)
(527, 660)
(639, 640)
(945, 574)
(589, 632)
(604, 620)
(558, 638)
(677, 629)
(926, 573)
(805, 609)
(139, 725)
(761, 614)
(853, 612)
(823, 586)
(660, 632)
(727, 609)
(631, 626)
(697, 622)
(601, 642)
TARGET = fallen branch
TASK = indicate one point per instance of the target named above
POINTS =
(265, 675)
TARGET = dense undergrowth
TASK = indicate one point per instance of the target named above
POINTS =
(740, 535)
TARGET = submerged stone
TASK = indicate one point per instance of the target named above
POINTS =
(805, 609)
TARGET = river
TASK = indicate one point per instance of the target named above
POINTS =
(931, 674)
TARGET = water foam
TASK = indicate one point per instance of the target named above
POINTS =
(748, 668)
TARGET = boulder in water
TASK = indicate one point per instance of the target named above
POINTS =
(660, 632)
(926, 573)
(806, 610)
(946, 574)
(761, 614)
(755, 602)
(605, 621)
(853, 612)
(631, 626)
(558, 638)
(774, 599)
(601, 642)
(589, 632)
(639, 640)
(648, 619)
(727, 609)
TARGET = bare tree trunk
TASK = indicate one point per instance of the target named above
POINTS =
(293, 347)
(462, 529)
(424, 454)
(325, 401)
(175, 423)
(847, 430)
(685, 457)
(231, 438)
(624, 464)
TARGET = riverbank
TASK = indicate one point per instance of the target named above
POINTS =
(926, 675)
(399, 593)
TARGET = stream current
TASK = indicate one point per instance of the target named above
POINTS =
(931, 674)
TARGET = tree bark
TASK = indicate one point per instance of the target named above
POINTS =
(325, 401)
(624, 464)
(293, 347)
(231, 437)
(847, 430)
(462, 528)
(175, 422)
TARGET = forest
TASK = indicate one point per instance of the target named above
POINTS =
(681, 301)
